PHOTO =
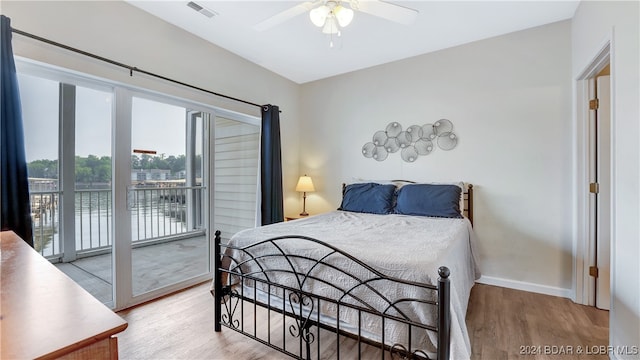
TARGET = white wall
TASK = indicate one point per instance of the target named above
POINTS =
(595, 23)
(124, 33)
(509, 99)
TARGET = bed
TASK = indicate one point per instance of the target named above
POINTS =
(389, 273)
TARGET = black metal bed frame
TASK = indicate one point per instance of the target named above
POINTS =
(229, 295)
(231, 300)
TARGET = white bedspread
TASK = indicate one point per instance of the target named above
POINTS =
(406, 247)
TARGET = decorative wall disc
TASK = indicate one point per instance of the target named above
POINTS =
(392, 145)
(423, 147)
(414, 142)
(380, 153)
(409, 154)
(379, 138)
(415, 131)
(442, 126)
(368, 149)
(428, 132)
(447, 141)
(403, 139)
(393, 129)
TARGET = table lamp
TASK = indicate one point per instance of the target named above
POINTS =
(304, 185)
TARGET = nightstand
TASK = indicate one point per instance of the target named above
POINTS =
(289, 218)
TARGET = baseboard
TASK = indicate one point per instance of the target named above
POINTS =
(525, 286)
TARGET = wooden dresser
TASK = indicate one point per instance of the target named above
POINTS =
(46, 315)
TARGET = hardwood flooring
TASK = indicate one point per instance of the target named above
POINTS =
(511, 324)
(502, 324)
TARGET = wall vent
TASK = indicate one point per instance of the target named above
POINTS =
(202, 10)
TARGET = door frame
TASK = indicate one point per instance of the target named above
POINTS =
(584, 249)
(602, 210)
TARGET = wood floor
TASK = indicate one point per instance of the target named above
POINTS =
(502, 324)
(511, 324)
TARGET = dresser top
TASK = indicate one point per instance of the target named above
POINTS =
(43, 313)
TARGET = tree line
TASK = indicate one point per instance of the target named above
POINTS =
(94, 169)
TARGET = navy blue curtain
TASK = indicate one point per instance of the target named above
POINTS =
(16, 208)
(271, 166)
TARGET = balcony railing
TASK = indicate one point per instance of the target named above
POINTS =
(45, 213)
(157, 214)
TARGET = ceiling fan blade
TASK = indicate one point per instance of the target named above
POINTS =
(397, 13)
(283, 16)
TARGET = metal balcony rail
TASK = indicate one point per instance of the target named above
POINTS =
(157, 214)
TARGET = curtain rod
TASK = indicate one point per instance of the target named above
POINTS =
(129, 67)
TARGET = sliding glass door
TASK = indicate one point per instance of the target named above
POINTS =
(169, 239)
(128, 186)
(161, 196)
(119, 183)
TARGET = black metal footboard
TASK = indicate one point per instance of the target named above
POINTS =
(310, 300)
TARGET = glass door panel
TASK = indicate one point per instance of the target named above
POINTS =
(40, 102)
(70, 181)
(169, 238)
(93, 218)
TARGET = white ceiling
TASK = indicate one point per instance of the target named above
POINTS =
(298, 50)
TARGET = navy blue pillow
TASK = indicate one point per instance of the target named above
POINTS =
(368, 198)
(437, 200)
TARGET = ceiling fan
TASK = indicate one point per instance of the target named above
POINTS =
(332, 15)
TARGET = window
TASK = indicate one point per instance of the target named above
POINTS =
(39, 98)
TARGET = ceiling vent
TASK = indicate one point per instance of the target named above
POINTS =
(202, 10)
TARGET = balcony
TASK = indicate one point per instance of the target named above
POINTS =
(169, 241)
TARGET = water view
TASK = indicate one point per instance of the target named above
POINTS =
(156, 211)
(160, 203)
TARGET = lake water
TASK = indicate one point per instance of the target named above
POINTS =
(154, 214)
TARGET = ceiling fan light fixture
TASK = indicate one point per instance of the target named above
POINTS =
(319, 15)
(343, 15)
(330, 25)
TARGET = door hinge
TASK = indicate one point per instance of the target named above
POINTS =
(594, 188)
(594, 104)
(593, 271)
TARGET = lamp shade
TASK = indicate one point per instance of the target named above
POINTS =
(319, 15)
(330, 25)
(305, 184)
(343, 15)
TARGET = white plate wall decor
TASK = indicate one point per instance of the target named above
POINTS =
(413, 142)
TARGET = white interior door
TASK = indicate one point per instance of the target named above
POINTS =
(603, 208)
